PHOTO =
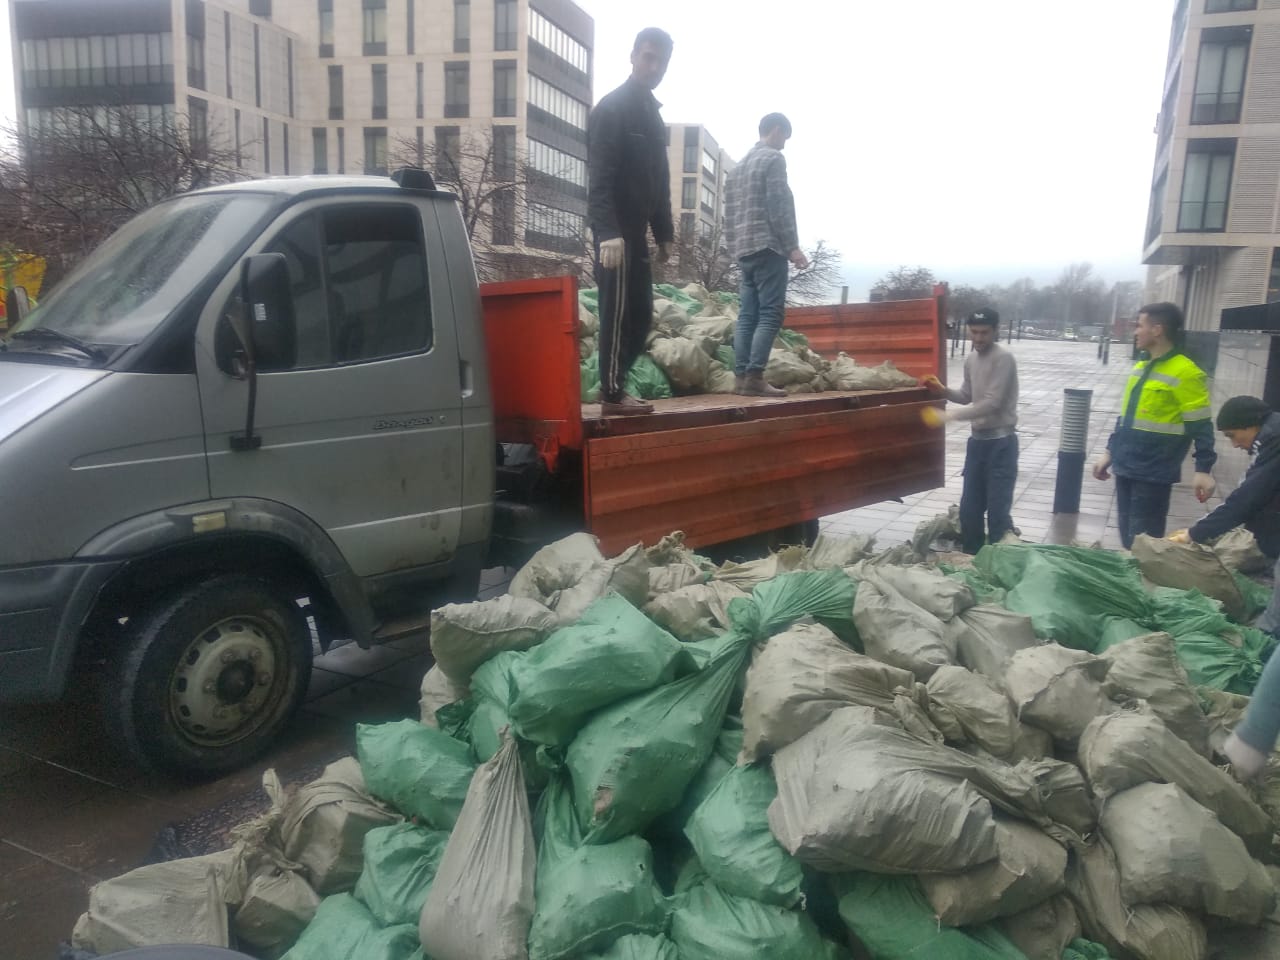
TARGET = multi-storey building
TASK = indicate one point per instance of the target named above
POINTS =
(698, 170)
(1213, 229)
(339, 86)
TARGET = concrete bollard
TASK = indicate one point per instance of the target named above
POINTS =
(1072, 445)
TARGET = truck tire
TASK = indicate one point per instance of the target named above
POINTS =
(208, 676)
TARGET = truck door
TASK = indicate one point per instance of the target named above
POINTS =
(363, 434)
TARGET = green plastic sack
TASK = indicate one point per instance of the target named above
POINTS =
(984, 591)
(646, 380)
(588, 895)
(1255, 595)
(638, 947)
(634, 760)
(710, 924)
(894, 921)
(343, 929)
(1180, 612)
(613, 651)
(1117, 630)
(589, 379)
(725, 354)
(1085, 950)
(793, 339)
(419, 770)
(730, 833)
(724, 756)
(827, 595)
(691, 305)
(590, 298)
(1211, 661)
(1067, 590)
(400, 862)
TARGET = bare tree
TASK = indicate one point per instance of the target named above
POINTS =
(69, 184)
(700, 257)
(817, 283)
(498, 191)
(905, 283)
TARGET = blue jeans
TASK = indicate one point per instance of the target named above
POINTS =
(1141, 507)
(990, 471)
(763, 295)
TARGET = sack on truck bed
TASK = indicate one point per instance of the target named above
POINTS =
(1057, 689)
(895, 630)
(1238, 550)
(465, 635)
(1044, 931)
(696, 612)
(419, 770)
(799, 678)
(1147, 668)
(1125, 749)
(588, 895)
(1028, 869)
(343, 929)
(968, 706)
(1147, 932)
(683, 361)
(986, 636)
(638, 947)
(438, 691)
(613, 651)
(1172, 850)
(400, 864)
(711, 924)
(1189, 566)
(929, 589)
(481, 902)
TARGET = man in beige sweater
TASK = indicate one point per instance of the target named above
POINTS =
(990, 397)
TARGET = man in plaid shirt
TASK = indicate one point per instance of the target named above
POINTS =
(760, 229)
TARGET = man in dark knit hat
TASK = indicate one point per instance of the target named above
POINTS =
(1252, 425)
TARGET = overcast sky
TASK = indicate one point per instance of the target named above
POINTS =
(985, 140)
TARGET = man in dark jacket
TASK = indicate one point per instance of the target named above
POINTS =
(629, 194)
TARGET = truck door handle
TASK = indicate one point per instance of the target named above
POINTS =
(466, 375)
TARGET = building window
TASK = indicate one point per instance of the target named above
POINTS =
(410, 26)
(504, 24)
(1206, 185)
(198, 126)
(195, 62)
(689, 193)
(686, 226)
(690, 150)
(556, 102)
(375, 150)
(374, 27)
(379, 71)
(320, 150)
(1224, 53)
(708, 163)
(418, 101)
(457, 90)
(448, 152)
(504, 152)
(461, 26)
(266, 145)
(551, 162)
(342, 150)
(504, 217)
(326, 28)
(260, 8)
(335, 93)
(1226, 6)
(546, 33)
(504, 88)
(1164, 127)
(1155, 214)
(554, 222)
(1273, 279)
(708, 200)
(126, 59)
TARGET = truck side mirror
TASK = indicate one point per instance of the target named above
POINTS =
(16, 306)
(267, 326)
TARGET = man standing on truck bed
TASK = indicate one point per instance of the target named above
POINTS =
(760, 230)
(990, 390)
(629, 193)
(1165, 409)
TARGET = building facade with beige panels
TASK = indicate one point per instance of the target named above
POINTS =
(698, 170)
(1213, 229)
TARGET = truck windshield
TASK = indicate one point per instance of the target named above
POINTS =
(131, 283)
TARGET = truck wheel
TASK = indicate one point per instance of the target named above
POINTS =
(209, 676)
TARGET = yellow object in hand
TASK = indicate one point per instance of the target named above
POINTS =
(1180, 536)
(933, 417)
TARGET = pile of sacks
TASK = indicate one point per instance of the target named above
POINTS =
(690, 350)
(826, 753)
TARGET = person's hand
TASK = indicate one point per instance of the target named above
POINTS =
(933, 385)
(1100, 469)
(799, 259)
(1179, 536)
(611, 253)
(664, 251)
(933, 417)
(1204, 486)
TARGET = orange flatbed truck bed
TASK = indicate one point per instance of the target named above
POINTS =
(718, 466)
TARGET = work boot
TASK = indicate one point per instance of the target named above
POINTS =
(757, 386)
(625, 406)
(739, 384)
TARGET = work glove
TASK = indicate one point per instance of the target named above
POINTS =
(1100, 471)
(1204, 486)
(933, 417)
(611, 253)
(932, 384)
(1246, 761)
(664, 251)
(1179, 536)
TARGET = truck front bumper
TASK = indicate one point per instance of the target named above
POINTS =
(42, 610)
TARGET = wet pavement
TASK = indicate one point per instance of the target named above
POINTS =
(73, 810)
